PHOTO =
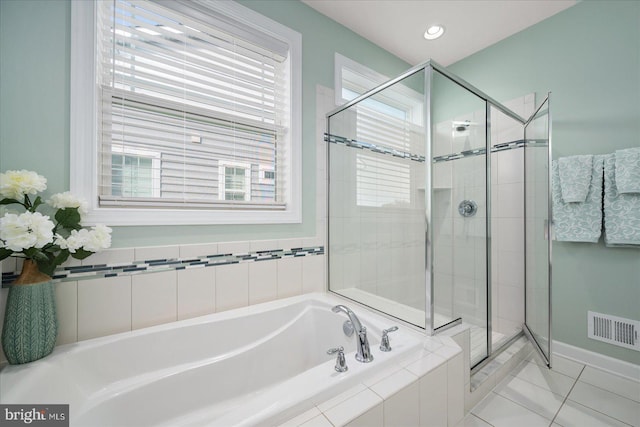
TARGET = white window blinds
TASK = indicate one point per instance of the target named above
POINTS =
(388, 121)
(186, 92)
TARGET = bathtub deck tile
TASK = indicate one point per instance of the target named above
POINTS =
(319, 421)
(394, 383)
(426, 364)
(352, 408)
(325, 406)
(381, 374)
(302, 418)
(448, 352)
(374, 417)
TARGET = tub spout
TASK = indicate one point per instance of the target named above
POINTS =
(363, 353)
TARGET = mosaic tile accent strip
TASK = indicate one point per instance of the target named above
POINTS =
(480, 151)
(335, 139)
(155, 265)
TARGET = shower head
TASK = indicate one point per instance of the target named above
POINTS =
(460, 126)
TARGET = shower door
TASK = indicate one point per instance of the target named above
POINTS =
(537, 165)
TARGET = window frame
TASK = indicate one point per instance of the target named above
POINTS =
(84, 127)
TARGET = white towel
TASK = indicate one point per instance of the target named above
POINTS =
(628, 170)
(575, 177)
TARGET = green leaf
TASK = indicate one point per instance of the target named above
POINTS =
(62, 257)
(37, 203)
(68, 218)
(5, 253)
(81, 254)
(39, 256)
(47, 267)
(9, 202)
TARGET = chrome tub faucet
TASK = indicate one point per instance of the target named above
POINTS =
(363, 353)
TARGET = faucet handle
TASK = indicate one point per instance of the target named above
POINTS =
(341, 362)
(384, 342)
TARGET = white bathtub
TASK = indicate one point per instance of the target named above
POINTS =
(258, 365)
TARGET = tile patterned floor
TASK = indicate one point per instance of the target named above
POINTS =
(570, 395)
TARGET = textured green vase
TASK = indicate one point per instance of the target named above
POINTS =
(30, 324)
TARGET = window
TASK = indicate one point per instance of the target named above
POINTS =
(191, 100)
(387, 120)
(236, 181)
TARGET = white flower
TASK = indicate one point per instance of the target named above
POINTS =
(68, 200)
(98, 238)
(94, 240)
(15, 184)
(75, 241)
(28, 230)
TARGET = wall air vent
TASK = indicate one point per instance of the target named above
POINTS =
(613, 330)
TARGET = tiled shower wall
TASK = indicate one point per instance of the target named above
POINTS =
(96, 306)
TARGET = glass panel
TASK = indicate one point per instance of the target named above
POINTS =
(459, 210)
(377, 201)
(507, 217)
(537, 249)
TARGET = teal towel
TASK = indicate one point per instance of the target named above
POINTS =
(578, 222)
(628, 170)
(621, 211)
(575, 177)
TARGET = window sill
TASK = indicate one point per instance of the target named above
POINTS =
(141, 217)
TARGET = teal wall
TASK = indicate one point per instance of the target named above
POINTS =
(34, 104)
(595, 83)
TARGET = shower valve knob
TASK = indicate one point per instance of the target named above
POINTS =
(467, 208)
(384, 342)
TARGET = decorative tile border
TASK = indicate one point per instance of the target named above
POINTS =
(496, 148)
(335, 139)
(155, 265)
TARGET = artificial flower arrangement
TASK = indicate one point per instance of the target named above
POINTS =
(30, 324)
(33, 235)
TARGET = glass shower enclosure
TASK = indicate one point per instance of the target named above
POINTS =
(422, 223)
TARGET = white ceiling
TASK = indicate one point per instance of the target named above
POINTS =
(471, 25)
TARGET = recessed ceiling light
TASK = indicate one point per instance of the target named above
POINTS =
(433, 32)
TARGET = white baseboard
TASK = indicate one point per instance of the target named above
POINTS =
(597, 360)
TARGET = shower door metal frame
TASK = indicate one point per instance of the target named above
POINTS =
(429, 310)
(549, 233)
